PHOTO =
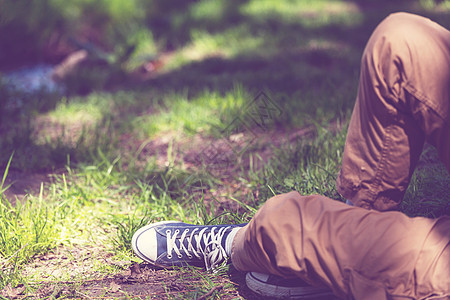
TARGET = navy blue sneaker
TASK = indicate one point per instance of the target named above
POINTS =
(171, 243)
(277, 287)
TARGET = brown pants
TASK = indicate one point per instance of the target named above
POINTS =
(358, 253)
(403, 100)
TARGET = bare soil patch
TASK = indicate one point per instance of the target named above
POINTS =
(23, 183)
(141, 281)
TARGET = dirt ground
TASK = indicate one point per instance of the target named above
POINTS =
(141, 282)
(138, 281)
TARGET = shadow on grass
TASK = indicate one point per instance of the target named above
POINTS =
(311, 70)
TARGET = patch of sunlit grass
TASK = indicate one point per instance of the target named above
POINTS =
(237, 40)
(309, 13)
(201, 114)
(87, 111)
(208, 9)
(435, 6)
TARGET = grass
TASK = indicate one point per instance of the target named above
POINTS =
(125, 157)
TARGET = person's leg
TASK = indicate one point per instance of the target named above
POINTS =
(170, 244)
(356, 252)
(403, 99)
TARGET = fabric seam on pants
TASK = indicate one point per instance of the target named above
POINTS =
(423, 99)
(387, 141)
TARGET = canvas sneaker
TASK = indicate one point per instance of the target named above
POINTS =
(278, 287)
(170, 243)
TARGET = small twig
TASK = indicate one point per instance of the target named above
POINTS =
(208, 294)
(15, 253)
(84, 295)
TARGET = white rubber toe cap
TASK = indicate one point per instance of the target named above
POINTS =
(144, 244)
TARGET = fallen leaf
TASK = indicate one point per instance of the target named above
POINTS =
(114, 287)
(135, 269)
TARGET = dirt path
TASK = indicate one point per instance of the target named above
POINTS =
(145, 282)
(120, 279)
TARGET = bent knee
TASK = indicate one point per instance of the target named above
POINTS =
(400, 33)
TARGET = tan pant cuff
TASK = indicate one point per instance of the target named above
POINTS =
(237, 249)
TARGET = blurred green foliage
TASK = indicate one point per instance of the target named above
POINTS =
(305, 52)
(30, 30)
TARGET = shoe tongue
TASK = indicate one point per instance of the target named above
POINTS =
(220, 235)
(204, 237)
(192, 236)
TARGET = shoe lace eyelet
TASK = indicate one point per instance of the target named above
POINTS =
(177, 231)
(180, 256)
(169, 256)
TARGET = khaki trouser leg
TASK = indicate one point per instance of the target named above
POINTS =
(403, 99)
(358, 253)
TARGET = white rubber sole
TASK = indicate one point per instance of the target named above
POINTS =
(256, 282)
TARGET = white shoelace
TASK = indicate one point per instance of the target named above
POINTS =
(212, 253)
